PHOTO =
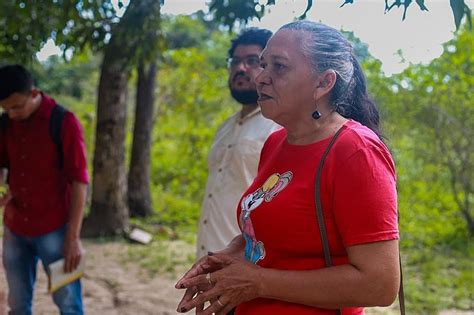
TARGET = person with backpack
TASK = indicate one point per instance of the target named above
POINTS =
(42, 150)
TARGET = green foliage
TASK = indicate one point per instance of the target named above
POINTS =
(444, 116)
(438, 278)
(26, 25)
(182, 31)
(73, 78)
(428, 120)
(76, 25)
(230, 12)
(193, 100)
(236, 12)
(195, 32)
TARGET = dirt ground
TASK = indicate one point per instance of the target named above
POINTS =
(110, 287)
(114, 287)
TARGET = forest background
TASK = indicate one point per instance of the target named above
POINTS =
(171, 94)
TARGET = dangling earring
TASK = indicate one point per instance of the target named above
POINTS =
(316, 115)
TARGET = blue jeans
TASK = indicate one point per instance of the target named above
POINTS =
(20, 257)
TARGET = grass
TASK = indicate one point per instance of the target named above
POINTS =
(439, 278)
(436, 277)
(170, 258)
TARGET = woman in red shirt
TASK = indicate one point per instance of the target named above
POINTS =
(313, 86)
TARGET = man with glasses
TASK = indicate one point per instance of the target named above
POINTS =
(46, 193)
(235, 152)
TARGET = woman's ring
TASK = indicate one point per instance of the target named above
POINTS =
(208, 277)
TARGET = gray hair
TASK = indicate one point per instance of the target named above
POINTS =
(326, 49)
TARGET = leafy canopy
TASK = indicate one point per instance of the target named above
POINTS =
(232, 12)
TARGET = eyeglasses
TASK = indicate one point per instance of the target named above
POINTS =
(252, 62)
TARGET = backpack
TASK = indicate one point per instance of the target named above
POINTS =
(55, 124)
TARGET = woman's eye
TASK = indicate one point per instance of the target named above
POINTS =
(278, 66)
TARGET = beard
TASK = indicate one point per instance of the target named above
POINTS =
(245, 97)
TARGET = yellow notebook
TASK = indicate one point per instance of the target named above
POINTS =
(57, 278)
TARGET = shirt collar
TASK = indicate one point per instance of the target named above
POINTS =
(44, 110)
(256, 111)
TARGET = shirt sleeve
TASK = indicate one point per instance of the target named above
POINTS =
(74, 150)
(365, 197)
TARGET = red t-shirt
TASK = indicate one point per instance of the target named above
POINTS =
(277, 213)
(40, 187)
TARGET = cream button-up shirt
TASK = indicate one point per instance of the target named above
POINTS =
(232, 166)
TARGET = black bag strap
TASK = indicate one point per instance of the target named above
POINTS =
(3, 129)
(3, 122)
(322, 225)
(55, 125)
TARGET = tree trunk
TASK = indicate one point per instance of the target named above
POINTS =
(468, 217)
(139, 196)
(109, 212)
(133, 38)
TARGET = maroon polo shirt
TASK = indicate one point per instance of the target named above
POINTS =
(40, 187)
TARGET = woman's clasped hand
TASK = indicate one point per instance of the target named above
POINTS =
(217, 283)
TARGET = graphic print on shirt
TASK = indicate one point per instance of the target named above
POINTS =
(254, 249)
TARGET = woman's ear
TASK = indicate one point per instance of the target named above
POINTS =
(324, 83)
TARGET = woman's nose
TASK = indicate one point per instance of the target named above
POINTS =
(262, 77)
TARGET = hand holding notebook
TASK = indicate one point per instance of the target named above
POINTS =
(57, 278)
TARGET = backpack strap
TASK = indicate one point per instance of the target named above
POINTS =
(3, 122)
(55, 125)
(3, 128)
(322, 225)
